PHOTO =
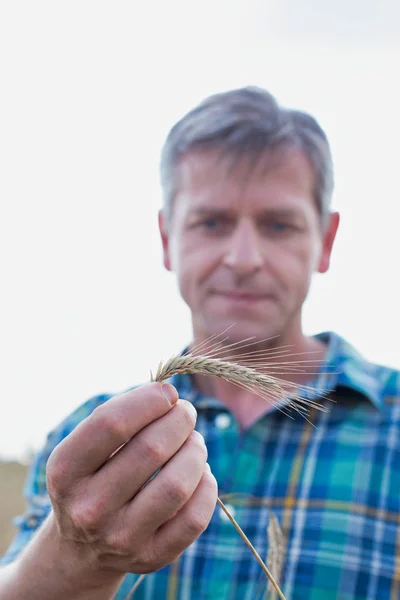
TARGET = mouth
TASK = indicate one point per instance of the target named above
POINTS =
(243, 297)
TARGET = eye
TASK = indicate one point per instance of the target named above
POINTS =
(211, 223)
(277, 226)
(216, 225)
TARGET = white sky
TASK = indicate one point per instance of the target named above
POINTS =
(89, 90)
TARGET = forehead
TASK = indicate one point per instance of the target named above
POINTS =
(277, 179)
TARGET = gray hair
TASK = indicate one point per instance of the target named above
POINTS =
(244, 123)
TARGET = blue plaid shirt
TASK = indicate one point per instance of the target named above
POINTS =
(333, 483)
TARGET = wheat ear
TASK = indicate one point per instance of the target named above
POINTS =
(268, 387)
(276, 551)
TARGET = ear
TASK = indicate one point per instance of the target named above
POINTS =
(162, 224)
(327, 242)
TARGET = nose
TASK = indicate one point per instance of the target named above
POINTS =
(244, 253)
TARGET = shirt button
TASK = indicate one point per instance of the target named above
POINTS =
(223, 421)
(224, 516)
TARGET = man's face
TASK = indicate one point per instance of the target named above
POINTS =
(244, 243)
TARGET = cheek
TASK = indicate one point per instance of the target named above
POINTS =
(193, 265)
(295, 265)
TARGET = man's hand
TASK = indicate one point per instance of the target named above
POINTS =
(111, 516)
(101, 492)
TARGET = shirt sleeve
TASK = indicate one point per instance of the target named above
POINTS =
(38, 504)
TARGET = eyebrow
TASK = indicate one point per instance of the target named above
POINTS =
(280, 212)
(210, 210)
(265, 213)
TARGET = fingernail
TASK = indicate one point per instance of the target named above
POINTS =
(170, 393)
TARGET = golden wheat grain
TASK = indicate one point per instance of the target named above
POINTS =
(204, 365)
(268, 387)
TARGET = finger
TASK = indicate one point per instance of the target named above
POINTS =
(164, 495)
(119, 480)
(189, 523)
(110, 425)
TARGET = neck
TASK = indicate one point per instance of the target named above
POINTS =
(294, 365)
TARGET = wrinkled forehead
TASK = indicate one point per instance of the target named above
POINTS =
(212, 178)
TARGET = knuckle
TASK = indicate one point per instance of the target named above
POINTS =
(196, 523)
(55, 475)
(110, 421)
(176, 490)
(153, 450)
(119, 541)
(85, 517)
(52, 477)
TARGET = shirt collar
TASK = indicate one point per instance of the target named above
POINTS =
(350, 369)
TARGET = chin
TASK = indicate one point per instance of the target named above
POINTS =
(237, 332)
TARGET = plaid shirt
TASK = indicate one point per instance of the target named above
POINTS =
(333, 483)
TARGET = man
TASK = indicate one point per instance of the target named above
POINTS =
(246, 222)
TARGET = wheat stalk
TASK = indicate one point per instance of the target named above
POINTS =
(268, 571)
(135, 586)
(246, 374)
(253, 550)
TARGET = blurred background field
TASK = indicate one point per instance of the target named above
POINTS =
(12, 478)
